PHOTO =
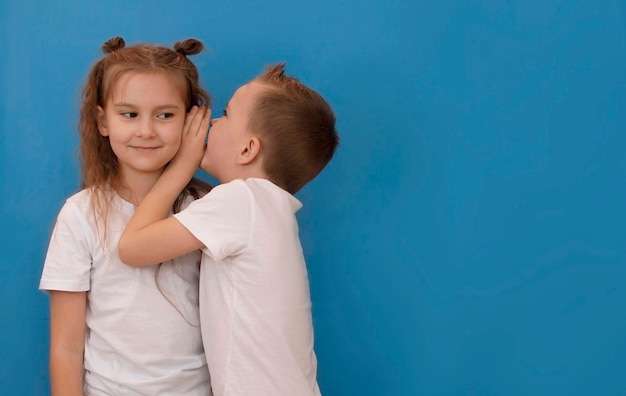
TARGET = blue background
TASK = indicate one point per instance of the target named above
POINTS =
(467, 239)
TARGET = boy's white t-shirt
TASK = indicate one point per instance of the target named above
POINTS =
(255, 306)
(137, 342)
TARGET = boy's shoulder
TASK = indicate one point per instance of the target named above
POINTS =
(252, 185)
(259, 190)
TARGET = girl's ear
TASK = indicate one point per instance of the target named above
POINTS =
(250, 151)
(101, 120)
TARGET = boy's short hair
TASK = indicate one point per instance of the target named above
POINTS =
(296, 127)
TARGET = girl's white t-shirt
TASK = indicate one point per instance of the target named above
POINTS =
(143, 335)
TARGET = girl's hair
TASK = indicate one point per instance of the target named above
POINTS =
(99, 165)
(297, 129)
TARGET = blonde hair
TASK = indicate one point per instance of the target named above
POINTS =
(297, 129)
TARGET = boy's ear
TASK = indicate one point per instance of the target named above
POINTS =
(101, 120)
(250, 151)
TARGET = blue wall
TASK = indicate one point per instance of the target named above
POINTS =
(469, 237)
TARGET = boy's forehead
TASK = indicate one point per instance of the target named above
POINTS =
(247, 93)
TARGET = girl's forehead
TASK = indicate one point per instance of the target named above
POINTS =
(157, 83)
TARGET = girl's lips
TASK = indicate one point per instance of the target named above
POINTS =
(143, 148)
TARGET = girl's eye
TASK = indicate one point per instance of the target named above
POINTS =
(224, 114)
(129, 114)
(165, 116)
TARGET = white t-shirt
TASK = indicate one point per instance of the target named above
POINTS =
(255, 308)
(139, 340)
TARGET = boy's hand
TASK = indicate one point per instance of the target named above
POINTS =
(193, 140)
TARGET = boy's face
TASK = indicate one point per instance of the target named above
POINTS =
(229, 134)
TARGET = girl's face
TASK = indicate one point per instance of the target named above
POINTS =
(143, 118)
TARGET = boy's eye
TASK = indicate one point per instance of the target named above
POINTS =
(165, 116)
(224, 114)
(129, 114)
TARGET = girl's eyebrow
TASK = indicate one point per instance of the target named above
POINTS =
(168, 106)
(160, 107)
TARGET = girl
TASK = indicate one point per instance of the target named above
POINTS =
(116, 329)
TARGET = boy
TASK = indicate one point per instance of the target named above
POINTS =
(275, 136)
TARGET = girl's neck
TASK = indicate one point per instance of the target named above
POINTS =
(134, 187)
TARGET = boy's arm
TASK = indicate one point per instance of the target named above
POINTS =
(67, 342)
(150, 236)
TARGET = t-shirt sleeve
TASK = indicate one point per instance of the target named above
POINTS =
(220, 220)
(68, 261)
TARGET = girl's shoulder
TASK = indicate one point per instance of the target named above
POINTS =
(80, 200)
(81, 196)
(89, 201)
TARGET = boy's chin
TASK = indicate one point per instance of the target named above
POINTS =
(206, 168)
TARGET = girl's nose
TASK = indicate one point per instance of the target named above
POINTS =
(145, 128)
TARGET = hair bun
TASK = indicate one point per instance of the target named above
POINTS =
(113, 44)
(190, 46)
